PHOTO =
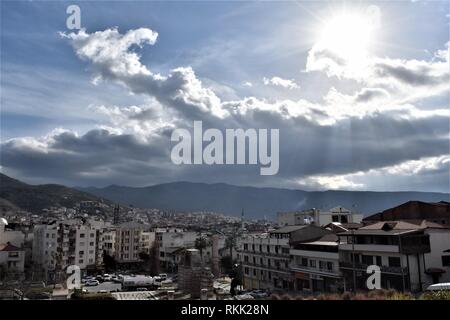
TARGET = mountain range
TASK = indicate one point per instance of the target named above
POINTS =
(219, 197)
(255, 202)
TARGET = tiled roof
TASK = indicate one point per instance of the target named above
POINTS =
(8, 247)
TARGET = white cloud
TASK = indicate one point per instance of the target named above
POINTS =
(280, 82)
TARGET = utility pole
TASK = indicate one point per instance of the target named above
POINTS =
(354, 261)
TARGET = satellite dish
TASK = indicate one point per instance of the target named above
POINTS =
(3, 222)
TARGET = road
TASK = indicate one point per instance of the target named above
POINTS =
(107, 286)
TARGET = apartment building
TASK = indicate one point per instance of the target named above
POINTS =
(14, 237)
(315, 265)
(265, 258)
(170, 241)
(147, 241)
(12, 258)
(318, 217)
(410, 256)
(109, 241)
(59, 244)
(415, 211)
(128, 242)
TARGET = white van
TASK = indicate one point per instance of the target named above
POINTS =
(439, 287)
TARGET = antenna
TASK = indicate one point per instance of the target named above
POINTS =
(116, 214)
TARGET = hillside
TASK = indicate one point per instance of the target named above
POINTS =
(16, 194)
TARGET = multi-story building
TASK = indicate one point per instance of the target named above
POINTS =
(14, 237)
(318, 217)
(170, 241)
(409, 256)
(12, 258)
(415, 211)
(265, 258)
(315, 265)
(70, 242)
(128, 242)
(147, 241)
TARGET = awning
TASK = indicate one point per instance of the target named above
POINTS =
(434, 271)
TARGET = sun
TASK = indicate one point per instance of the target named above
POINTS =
(347, 35)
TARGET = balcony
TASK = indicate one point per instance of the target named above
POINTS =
(368, 247)
(363, 267)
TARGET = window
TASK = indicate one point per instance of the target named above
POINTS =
(80, 261)
(260, 248)
(91, 244)
(245, 258)
(254, 272)
(367, 259)
(335, 218)
(268, 248)
(304, 262)
(13, 254)
(378, 260)
(92, 235)
(246, 271)
(446, 261)
(285, 250)
(81, 252)
(394, 261)
(321, 265)
(81, 235)
(329, 266)
(312, 263)
(269, 262)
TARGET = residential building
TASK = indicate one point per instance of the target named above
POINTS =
(315, 265)
(14, 237)
(409, 255)
(318, 217)
(170, 241)
(415, 211)
(265, 258)
(12, 258)
(128, 242)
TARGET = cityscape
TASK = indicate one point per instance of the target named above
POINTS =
(226, 156)
(128, 253)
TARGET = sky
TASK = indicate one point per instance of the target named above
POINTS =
(359, 91)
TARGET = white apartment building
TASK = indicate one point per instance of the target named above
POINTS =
(318, 217)
(63, 243)
(265, 258)
(315, 265)
(85, 246)
(410, 256)
(170, 241)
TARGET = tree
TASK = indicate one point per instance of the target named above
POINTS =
(230, 243)
(200, 244)
(109, 262)
(154, 258)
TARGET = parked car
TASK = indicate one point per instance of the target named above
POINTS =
(163, 276)
(99, 278)
(92, 283)
(141, 289)
(107, 277)
(258, 294)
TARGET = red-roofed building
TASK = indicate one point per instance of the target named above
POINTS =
(12, 257)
